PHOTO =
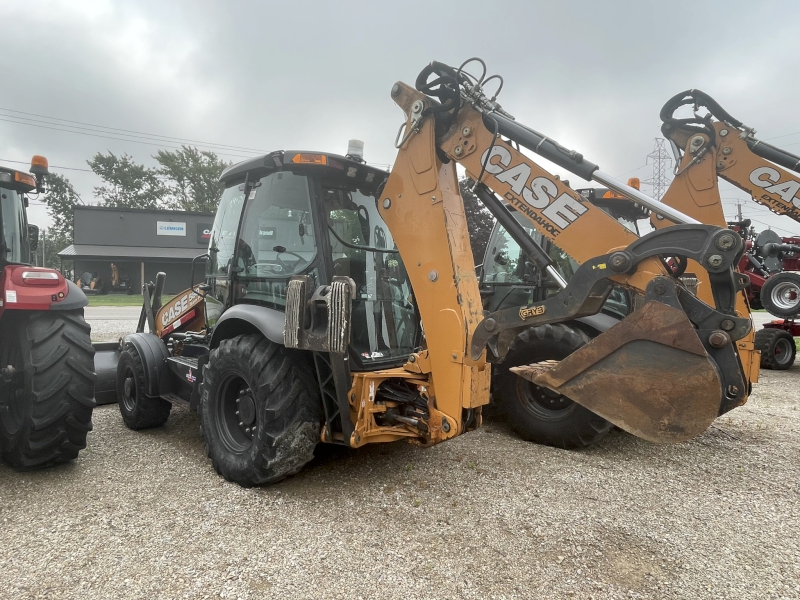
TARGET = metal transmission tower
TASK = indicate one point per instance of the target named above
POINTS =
(661, 164)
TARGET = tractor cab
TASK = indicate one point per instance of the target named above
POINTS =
(19, 239)
(294, 213)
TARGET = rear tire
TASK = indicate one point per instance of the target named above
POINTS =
(47, 418)
(261, 412)
(780, 294)
(536, 413)
(777, 348)
(138, 410)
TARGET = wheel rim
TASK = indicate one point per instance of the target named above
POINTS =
(236, 414)
(129, 390)
(786, 295)
(783, 351)
(542, 402)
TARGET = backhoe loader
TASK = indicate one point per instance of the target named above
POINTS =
(717, 145)
(341, 303)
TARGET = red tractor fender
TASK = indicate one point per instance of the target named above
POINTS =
(36, 288)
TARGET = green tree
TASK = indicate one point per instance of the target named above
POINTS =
(127, 184)
(50, 244)
(191, 178)
(479, 220)
(61, 199)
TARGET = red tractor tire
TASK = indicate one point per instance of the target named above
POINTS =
(777, 348)
(46, 405)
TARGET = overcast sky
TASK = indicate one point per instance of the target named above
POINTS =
(287, 75)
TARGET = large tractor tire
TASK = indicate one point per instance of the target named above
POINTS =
(780, 294)
(44, 421)
(261, 411)
(138, 410)
(538, 414)
(777, 348)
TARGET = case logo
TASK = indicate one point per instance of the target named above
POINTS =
(770, 179)
(539, 193)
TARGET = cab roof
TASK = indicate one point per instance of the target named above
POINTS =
(16, 180)
(330, 165)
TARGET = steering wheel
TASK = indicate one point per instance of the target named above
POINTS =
(281, 250)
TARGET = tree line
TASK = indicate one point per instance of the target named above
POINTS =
(185, 179)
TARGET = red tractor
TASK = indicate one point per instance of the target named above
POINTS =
(46, 356)
(772, 264)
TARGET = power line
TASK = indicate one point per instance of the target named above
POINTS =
(24, 162)
(127, 131)
(158, 145)
(781, 136)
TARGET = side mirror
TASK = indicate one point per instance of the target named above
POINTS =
(33, 237)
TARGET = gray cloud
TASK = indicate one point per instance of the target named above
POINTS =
(272, 75)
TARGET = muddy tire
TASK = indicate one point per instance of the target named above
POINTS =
(780, 294)
(261, 412)
(777, 348)
(536, 413)
(46, 419)
(138, 410)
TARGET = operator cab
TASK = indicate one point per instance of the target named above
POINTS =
(301, 213)
(511, 279)
(19, 239)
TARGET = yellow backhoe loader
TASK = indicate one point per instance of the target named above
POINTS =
(341, 303)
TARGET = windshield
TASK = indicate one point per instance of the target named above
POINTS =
(384, 323)
(15, 227)
(223, 233)
(625, 220)
(506, 263)
(277, 237)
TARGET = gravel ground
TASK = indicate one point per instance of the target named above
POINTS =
(144, 515)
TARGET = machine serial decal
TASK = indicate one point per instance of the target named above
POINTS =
(538, 193)
(769, 179)
(531, 311)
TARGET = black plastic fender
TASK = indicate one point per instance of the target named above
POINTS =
(154, 353)
(106, 359)
(248, 318)
(75, 298)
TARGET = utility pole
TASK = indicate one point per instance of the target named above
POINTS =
(739, 210)
(661, 163)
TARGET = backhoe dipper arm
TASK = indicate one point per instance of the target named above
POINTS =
(673, 339)
(729, 149)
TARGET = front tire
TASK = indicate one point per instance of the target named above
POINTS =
(777, 348)
(46, 419)
(138, 410)
(538, 414)
(261, 412)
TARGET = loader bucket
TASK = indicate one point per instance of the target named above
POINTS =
(649, 375)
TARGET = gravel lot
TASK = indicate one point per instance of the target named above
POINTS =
(144, 515)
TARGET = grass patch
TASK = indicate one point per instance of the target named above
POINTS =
(122, 300)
